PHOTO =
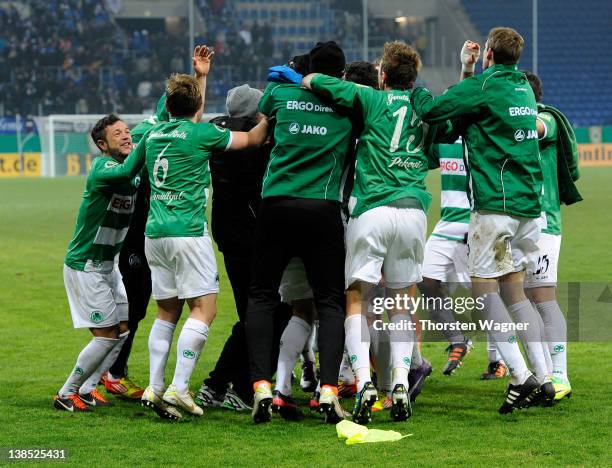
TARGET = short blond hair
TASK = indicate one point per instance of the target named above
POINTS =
(401, 63)
(507, 45)
(183, 97)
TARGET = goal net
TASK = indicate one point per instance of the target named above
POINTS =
(66, 145)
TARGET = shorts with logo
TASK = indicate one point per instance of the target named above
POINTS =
(183, 267)
(499, 244)
(294, 284)
(446, 260)
(386, 240)
(545, 269)
(96, 300)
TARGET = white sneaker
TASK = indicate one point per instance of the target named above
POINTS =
(330, 406)
(262, 402)
(182, 400)
(153, 400)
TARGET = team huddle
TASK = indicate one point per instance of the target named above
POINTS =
(319, 207)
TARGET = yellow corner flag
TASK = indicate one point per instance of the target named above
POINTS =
(357, 434)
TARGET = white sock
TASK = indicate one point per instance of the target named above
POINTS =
(294, 339)
(358, 347)
(92, 382)
(544, 342)
(346, 373)
(555, 328)
(523, 312)
(506, 342)
(308, 353)
(188, 349)
(445, 316)
(380, 349)
(160, 341)
(492, 352)
(87, 362)
(402, 343)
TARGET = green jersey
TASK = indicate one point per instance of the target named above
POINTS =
(497, 112)
(311, 145)
(391, 162)
(161, 115)
(104, 215)
(551, 204)
(454, 202)
(177, 155)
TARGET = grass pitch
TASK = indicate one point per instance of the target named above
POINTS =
(455, 420)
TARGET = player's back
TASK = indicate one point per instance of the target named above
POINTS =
(391, 162)
(502, 144)
(311, 144)
(177, 158)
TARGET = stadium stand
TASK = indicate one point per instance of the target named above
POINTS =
(574, 59)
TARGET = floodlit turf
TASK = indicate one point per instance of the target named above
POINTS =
(455, 420)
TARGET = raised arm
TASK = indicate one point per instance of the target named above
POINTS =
(470, 52)
(202, 57)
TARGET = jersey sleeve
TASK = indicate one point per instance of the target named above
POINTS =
(112, 172)
(550, 127)
(341, 93)
(266, 103)
(459, 100)
(161, 113)
(211, 137)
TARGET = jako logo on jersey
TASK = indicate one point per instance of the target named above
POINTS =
(110, 164)
(405, 163)
(307, 106)
(189, 354)
(294, 128)
(520, 134)
(524, 110)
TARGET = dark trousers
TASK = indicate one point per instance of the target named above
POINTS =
(137, 282)
(311, 230)
(233, 228)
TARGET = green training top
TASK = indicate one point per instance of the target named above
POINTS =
(551, 204)
(497, 112)
(104, 215)
(391, 161)
(311, 144)
(177, 155)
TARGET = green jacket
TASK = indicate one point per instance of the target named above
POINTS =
(567, 157)
(496, 114)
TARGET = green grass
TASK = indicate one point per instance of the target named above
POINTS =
(455, 420)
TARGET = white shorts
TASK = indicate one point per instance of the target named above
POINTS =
(386, 240)
(545, 270)
(183, 267)
(294, 285)
(96, 300)
(500, 244)
(446, 260)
